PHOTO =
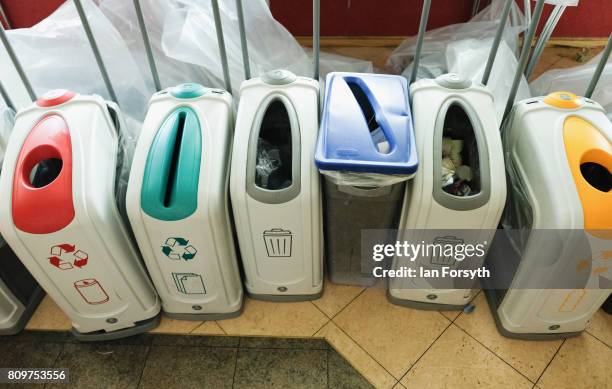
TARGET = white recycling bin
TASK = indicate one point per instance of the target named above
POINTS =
(557, 240)
(66, 227)
(458, 193)
(178, 204)
(20, 294)
(275, 189)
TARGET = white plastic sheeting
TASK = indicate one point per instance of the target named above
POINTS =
(576, 80)
(464, 49)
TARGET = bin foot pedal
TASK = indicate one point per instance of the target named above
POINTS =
(30, 308)
(99, 336)
(285, 298)
(424, 306)
(492, 300)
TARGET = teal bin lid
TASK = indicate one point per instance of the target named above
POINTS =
(171, 174)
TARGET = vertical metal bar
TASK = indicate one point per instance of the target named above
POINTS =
(527, 9)
(498, 37)
(420, 38)
(16, 63)
(475, 7)
(537, 13)
(221, 41)
(316, 36)
(599, 69)
(547, 31)
(147, 45)
(243, 40)
(95, 49)
(4, 17)
(6, 98)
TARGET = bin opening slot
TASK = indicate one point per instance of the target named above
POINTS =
(379, 138)
(45, 172)
(172, 171)
(273, 169)
(461, 174)
(598, 176)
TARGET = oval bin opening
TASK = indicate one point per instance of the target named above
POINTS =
(274, 149)
(45, 172)
(460, 160)
(597, 176)
(378, 135)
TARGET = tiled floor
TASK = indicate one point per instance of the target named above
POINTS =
(390, 346)
(184, 361)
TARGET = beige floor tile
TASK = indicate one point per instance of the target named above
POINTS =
(601, 327)
(451, 315)
(399, 386)
(49, 317)
(528, 357)
(395, 336)
(582, 362)
(335, 297)
(209, 328)
(276, 319)
(356, 356)
(457, 361)
(172, 326)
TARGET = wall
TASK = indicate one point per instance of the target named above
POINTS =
(593, 18)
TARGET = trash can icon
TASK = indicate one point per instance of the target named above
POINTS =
(278, 242)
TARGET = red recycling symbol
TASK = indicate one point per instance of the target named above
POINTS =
(66, 256)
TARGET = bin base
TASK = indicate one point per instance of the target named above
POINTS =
(493, 305)
(30, 308)
(424, 306)
(206, 316)
(99, 336)
(285, 298)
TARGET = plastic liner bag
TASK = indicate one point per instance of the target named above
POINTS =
(482, 26)
(7, 120)
(364, 180)
(188, 37)
(55, 54)
(577, 79)
(468, 57)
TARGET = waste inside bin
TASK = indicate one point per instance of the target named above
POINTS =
(456, 129)
(365, 151)
(66, 227)
(274, 187)
(177, 202)
(557, 220)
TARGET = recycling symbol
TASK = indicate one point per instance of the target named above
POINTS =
(179, 248)
(66, 256)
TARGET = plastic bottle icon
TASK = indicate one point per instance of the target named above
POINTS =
(92, 292)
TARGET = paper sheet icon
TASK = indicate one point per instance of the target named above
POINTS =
(189, 283)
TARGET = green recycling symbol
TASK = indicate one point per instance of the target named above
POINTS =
(179, 248)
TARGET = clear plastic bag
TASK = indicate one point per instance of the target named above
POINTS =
(184, 42)
(576, 80)
(482, 26)
(364, 180)
(7, 120)
(464, 49)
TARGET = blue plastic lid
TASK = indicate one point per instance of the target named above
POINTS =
(366, 125)
(188, 91)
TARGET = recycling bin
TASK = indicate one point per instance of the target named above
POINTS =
(177, 202)
(556, 240)
(458, 194)
(274, 187)
(66, 227)
(365, 152)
